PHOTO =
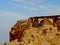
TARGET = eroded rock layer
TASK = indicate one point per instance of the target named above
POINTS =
(17, 30)
(36, 31)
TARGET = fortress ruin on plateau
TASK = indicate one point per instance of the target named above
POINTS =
(38, 30)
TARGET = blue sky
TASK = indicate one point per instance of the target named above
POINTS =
(13, 10)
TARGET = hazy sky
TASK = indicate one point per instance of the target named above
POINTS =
(13, 10)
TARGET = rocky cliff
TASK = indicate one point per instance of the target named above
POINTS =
(33, 32)
(17, 30)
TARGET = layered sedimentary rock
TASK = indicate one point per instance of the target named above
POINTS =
(36, 31)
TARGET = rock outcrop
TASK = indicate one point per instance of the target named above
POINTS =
(36, 31)
(17, 30)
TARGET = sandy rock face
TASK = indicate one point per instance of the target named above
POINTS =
(17, 30)
(39, 36)
(15, 42)
(47, 34)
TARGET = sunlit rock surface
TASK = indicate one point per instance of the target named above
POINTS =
(27, 32)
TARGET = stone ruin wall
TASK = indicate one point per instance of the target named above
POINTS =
(52, 19)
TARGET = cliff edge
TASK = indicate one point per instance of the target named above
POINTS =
(44, 30)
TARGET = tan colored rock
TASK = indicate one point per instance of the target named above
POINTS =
(47, 34)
